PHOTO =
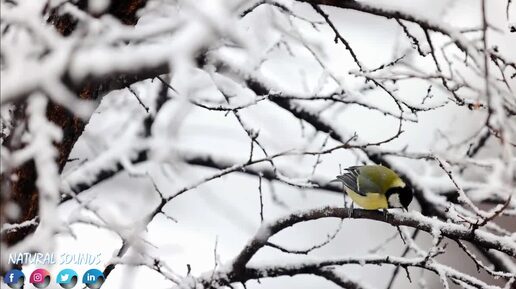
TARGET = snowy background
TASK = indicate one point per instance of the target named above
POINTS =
(208, 225)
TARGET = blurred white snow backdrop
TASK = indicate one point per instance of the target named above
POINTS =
(211, 223)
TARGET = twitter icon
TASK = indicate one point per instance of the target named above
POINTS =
(67, 278)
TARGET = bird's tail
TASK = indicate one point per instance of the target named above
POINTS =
(338, 179)
(349, 180)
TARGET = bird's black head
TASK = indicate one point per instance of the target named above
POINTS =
(399, 197)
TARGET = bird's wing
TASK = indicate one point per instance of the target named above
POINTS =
(358, 183)
(366, 185)
(382, 176)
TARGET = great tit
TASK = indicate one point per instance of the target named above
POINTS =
(376, 187)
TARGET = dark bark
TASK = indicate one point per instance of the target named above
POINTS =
(19, 185)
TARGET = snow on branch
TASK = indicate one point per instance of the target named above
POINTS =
(241, 270)
(414, 219)
(186, 95)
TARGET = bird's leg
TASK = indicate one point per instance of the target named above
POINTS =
(351, 207)
(384, 210)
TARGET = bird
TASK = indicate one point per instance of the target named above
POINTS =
(374, 187)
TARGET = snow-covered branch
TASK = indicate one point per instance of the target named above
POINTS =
(180, 104)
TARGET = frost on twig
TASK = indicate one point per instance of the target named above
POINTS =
(183, 102)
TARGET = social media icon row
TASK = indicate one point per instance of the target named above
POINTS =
(67, 278)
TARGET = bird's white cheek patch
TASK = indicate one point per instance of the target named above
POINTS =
(394, 201)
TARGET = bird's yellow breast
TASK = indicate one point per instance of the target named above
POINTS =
(372, 201)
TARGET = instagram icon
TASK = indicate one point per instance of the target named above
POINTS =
(40, 278)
